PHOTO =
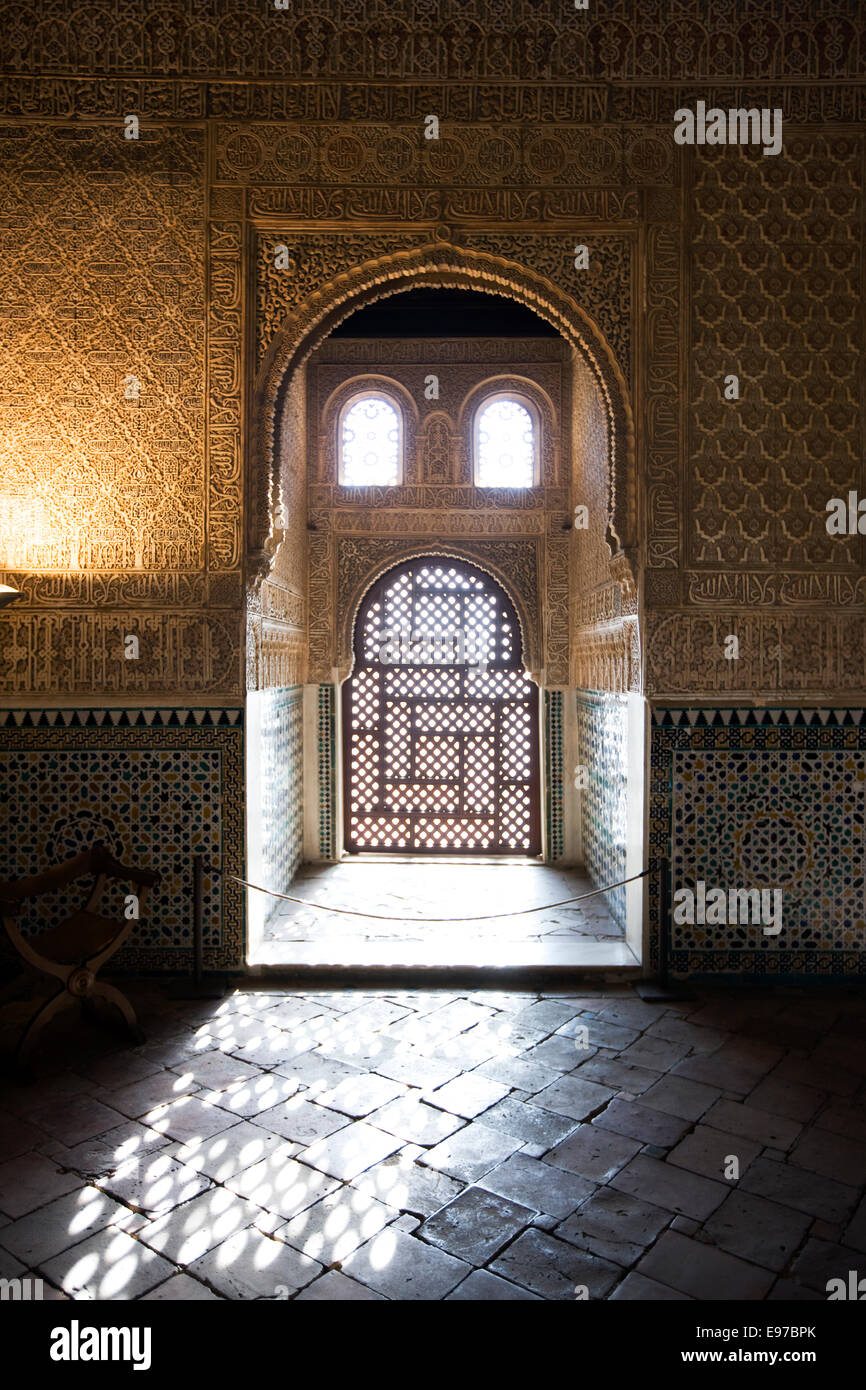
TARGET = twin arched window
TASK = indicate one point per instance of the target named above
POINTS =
(504, 443)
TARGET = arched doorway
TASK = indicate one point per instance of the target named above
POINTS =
(440, 719)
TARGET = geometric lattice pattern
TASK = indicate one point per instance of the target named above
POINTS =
(441, 721)
(764, 799)
(157, 786)
(602, 725)
(279, 788)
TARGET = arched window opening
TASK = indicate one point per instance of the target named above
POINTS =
(506, 443)
(370, 440)
(440, 718)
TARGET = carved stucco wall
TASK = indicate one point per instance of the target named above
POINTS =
(556, 128)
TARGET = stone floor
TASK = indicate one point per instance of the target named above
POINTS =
(575, 934)
(440, 1146)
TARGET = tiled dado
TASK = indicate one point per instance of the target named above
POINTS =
(553, 773)
(769, 798)
(157, 785)
(326, 754)
(280, 788)
(602, 730)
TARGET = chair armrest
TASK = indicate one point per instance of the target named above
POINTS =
(17, 891)
(105, 863)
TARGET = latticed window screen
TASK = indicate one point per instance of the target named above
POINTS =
(440, 719)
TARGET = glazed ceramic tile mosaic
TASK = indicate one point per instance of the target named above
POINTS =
(763, 800)
(157, 786)
(553, 773)
(325, 734)
(602, 748)
(281, 787)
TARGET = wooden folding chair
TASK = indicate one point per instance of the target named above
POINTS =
(74, 951)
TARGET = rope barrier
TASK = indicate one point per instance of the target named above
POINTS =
(488, 917)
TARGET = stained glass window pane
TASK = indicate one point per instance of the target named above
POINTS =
(370, 444)
(506, 446)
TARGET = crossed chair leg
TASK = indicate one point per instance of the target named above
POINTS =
(83, 989)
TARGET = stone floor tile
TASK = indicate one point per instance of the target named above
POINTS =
(529, 1122)
(281, 1185)
(476, 1225)
(671, 1028)
(358, 1095)
(855, 1232)
(798, 1188)
(215, 1070)
(414, 1069)
(630, 1012)
(533, 1183)
(757, 1230)
(222, 1155)
(614, 1225)
(29, 1181)
(557, 1052)
(468, 1095)
(181, 1288)
(333, 1286)
(821, 1260)
(759, 1125)
(108, 1265)
(703, 1272)
(654, 1054)
(151, 1095)
(638, 1288)
(680, 1096)
(787, 1098)
(609, 1071)
(403, 1183)
(674, 1189)
(789, 1291)
(707, 1151)
(514, 1072)
(403, 1267)
(573, 1097)
(826, 1078)
(547, 1015)
(17, 1136)
(249, 1099)
(847, 1120)
(415, 1122)
(553, 1268)
(599, 1033)
(364, 1051)
(348, 1152)
(189, 1119)
(593, 1152)
(118, 1069)
(832, 1156)
(252, 1265)
(155, 1182)
(66, 1221)
(316, 1071)
(332, 1228)
(96, 1158)
(75, 1119)
(635, 1121)
(301, 1120)
(471, 1152)
(196, 1227)
(484, 1287)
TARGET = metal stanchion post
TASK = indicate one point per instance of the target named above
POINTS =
(201, 986)
(662, 988)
